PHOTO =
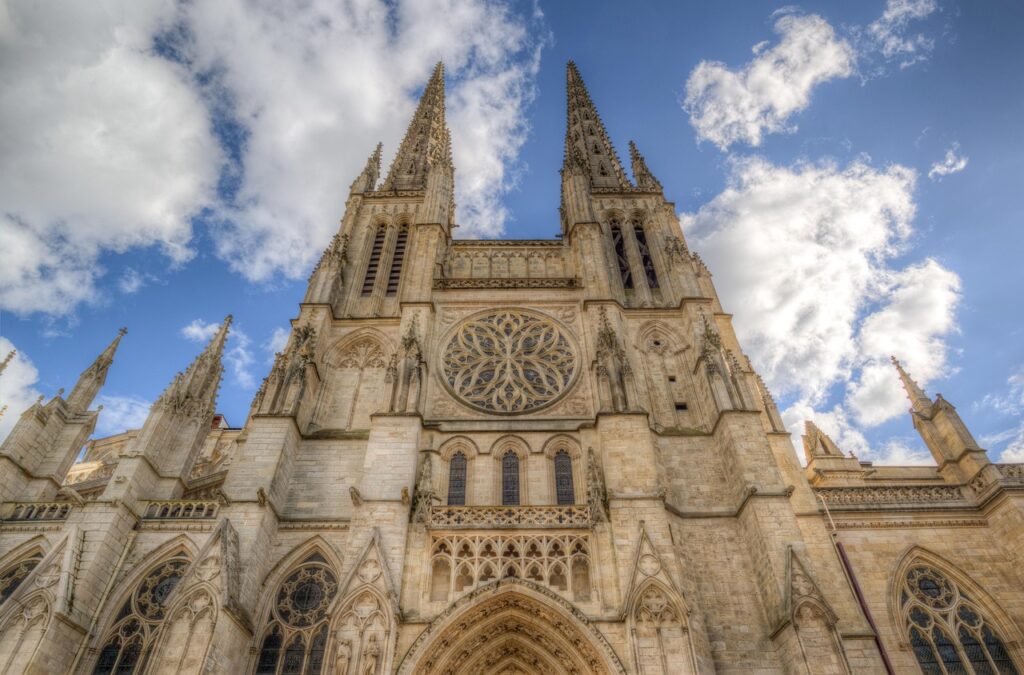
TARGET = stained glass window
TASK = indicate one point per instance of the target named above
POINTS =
(563, 478)
(12, 577)
(510, 479)
(457, 480)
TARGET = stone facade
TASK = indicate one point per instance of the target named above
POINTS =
(500, 457)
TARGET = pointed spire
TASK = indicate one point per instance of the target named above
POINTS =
(587, 146)
(93, 377)
(367, 180)
(194, 392)
(643, 177)
(817, 443)
(427, 141)
(7, 359)
(919, 401)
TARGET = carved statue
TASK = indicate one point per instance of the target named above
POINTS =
(371, 654)
(613, 366)
(597, 493)
(341, 660)
(424, 496)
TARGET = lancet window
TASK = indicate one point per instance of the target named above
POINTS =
(619, 244)
(947, 630)
(295, 641)
(645, 254)
(12, 577)
(395, 276)
(457, 480)
(373, 265)
(128, 643)
(510, 479)
(564, 492)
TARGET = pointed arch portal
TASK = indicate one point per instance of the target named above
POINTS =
(510, 627)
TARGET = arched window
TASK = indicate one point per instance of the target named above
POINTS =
(947, 630)
(510, 479)
(563, 478)
(645, 254)
(397, 259)
(374, 262)
(12, 577)
(295, 641)
(130, 639)
(457, 480)
(620, 254)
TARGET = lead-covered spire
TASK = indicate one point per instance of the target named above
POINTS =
(919, 401)
(427, 141)
(93, 377)
(587, 146)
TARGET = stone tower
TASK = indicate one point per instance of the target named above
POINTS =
(500, 456)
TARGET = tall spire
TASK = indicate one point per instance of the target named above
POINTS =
(7, 359)
(587, 146)
(93, 377)
(645, 180)
(427, 141)
(919, 401)
(194, 392)
(367, 180)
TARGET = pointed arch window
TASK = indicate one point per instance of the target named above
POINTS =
(510, 479)
(645, 254)
(947, 630)
(564, 492)
(373, 265)
(295, 641)
(620, 254)
(12, 577)
(395, 276)
(129, 641)
(457, 480)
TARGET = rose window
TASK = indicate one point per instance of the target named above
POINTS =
(509, 362)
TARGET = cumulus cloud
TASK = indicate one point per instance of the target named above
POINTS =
(200, 331)
(951, 163)
(121, 126)
(740, 106)
(238, 355)
(890, 34)
(806, 251)
(277, 341)
(120, 413)
(17, 386)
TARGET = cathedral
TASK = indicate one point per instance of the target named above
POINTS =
(500, 457)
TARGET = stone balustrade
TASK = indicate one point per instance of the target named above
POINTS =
(463, 517)
(23, 511)
(180, 509)
(890, 495)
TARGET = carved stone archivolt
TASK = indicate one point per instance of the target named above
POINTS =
(509, 362)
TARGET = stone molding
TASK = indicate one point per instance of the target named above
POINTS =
(468, 517)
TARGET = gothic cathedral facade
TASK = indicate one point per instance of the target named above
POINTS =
(500, 457)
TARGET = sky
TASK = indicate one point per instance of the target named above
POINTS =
(850, 173)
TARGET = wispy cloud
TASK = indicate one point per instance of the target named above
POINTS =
(892, 36)
(17, 386)
(953, 162)
(120, 413)
(237, 353)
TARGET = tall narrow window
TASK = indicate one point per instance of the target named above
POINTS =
(12, 577)
(396, 261)
(563, 478)
(457, 480)
(510, 479)
(374, 263)
(620, 254)
(645, 254)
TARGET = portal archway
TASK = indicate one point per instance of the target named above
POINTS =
(508, 627)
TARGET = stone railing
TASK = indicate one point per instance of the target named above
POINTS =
(462, 517)
(23, 511)
(1013, 473)
(180, 509)
(890, 495)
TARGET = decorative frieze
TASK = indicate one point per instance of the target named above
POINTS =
(460, 517)
(890, 495)
(554, 282)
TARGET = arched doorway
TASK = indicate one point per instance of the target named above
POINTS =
(510, 627)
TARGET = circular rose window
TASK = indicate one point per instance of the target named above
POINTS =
(508, 362)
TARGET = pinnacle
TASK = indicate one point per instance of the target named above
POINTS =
(7, 359)
(918, 399)
(587, 145)
(427, 142)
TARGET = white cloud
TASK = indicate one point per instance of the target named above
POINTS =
(17, 386)
(200, 331)
(1010, 404)
(105, 147)
(951, 163)
(890, 36)
(727, 106)
(277, 341)
(112, 123)
(120, 413)
(131, 281)
(238, 355)
(803, 254)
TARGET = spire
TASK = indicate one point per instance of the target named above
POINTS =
(367, 180)
(7, 359)
(587, 146)
(817, 443)
(643, 177)
(427, 142)
(194, 391)
(93, 377)
(919, 401)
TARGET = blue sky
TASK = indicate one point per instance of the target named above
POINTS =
(849, 172)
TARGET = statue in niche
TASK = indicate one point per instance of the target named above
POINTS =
(341, 660)
(371, 654)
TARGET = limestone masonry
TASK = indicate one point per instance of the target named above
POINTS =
(500, 457)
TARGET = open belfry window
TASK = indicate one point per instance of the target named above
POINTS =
(374, 263)
(645, 254)
(620, 254)
(395, 276)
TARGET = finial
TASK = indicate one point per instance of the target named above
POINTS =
(122, 331)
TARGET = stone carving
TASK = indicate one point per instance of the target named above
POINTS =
(458, 517)
(342, 657)
(425, 495)
(613, 369)
(509, 362)
(897, 494)
(597, 493)
(559, 282)
(406, 375)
